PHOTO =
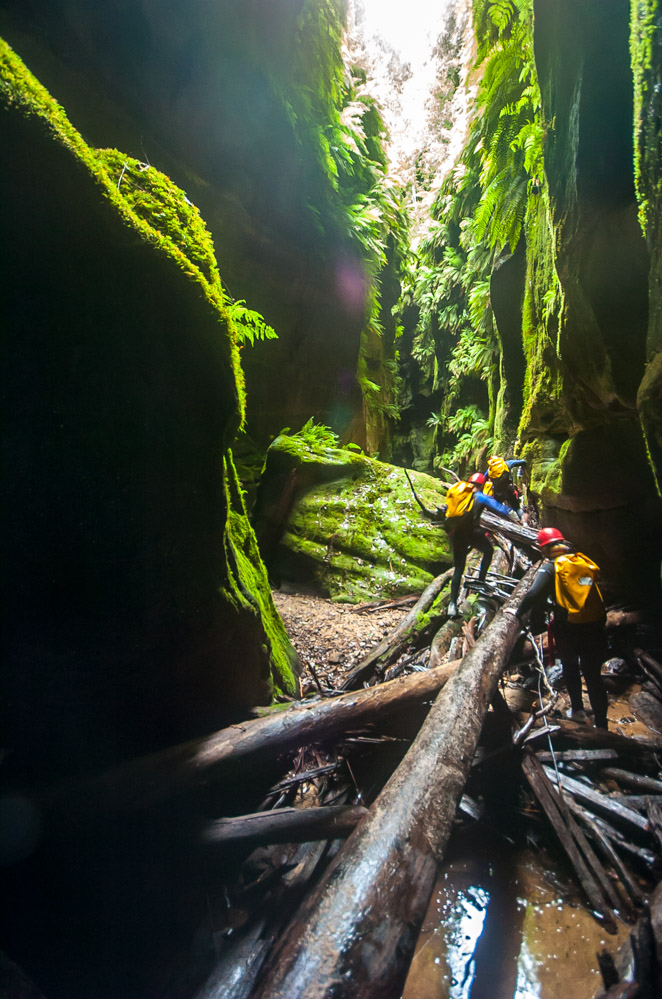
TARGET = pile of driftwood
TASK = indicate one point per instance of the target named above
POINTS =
(335, 910)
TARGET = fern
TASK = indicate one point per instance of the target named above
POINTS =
(250, 325)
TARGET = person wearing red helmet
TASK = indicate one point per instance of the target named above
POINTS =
(465, 502)
(578, 621)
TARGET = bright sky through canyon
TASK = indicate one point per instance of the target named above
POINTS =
(411, 27)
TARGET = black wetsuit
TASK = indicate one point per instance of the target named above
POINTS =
(468, 534)
(581, 647)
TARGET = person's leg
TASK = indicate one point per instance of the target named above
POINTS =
(566, 647)
(460, 551)
(483, 544)
(593, 651)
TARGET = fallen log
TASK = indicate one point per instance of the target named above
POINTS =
(624, 745)
(417, 623)
(654, 814)
(356, 933)
(605, 846)
(579, 756)
(285, 825)
(240, 955)
(575, 846)
(646, 856)
(619, 618)
(441, 643)
(194, 766)
(523, 536)
(603, 803)
(650, 666)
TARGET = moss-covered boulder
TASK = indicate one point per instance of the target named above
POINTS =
(136, 609)
(346, 524)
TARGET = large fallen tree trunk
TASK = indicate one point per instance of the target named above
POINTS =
(196, 765)
(356, 934)
(521, 535)
(286, 825)
(417, 623)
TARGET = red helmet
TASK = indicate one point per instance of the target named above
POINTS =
(477, 479)
(548, 535)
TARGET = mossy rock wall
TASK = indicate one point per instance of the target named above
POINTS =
(646, 48)
(216, 95)
(130, 617)
(347, 526)
(586, 301)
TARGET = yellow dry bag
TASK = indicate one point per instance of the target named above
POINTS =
(459, 499)
(576, 588)
(496, 467)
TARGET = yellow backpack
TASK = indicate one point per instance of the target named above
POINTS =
(488, 488)
(459, 499)
(576, 588)
(496, 467)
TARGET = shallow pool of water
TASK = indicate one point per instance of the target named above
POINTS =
(509, 926)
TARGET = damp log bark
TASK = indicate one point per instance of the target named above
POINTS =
(195, 766)
(286, 825)
(587, 868)
(394, 643)
(625, 746)
(523, 536)
(356, 933)
(441, 643)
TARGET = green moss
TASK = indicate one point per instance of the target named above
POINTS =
(147, 200)
(644, 39)
(545, 457)
(157, 213)
(357, 530)
(543, 316)
(248, 586)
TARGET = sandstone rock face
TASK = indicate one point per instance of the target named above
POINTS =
(132, 582)
(215, 95)
(647, 70)
(587, 305)
(346, 525)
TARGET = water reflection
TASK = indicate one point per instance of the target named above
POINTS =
(464, 925)
(507, 928)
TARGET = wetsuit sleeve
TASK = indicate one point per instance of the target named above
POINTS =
(541, 588)
(482, 500)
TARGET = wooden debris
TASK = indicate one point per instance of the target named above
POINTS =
(650, 666)
(524, 537)
(574, 846)
(603, 803)
(654, 815)
(194, 766)
(356, 934)
(605, 846)
(286, 825)
(624, 745)
(388, 650)
(442, 641)
(579, 756)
